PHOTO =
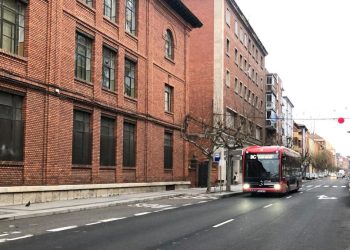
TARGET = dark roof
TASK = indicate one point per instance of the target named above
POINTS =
(181, 9)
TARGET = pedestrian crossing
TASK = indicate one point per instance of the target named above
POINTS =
(324, 186)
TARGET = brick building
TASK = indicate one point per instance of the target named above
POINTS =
(227, 72)
(93, 91)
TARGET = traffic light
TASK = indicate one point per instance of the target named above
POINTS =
(341, 120)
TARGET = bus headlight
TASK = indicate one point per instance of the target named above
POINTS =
(277, 186)
(246, 186)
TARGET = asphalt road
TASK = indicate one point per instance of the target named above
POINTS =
(317, 217)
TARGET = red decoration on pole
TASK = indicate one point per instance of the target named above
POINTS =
(341, 120)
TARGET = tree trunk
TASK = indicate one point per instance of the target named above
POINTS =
(210, 164)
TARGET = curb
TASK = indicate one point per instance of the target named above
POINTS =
(78, 208)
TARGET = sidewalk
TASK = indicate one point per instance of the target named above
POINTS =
(12, 212)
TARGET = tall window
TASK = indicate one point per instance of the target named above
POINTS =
(109, 7)
(88, 2)
(236, 56)
(168, 150)
(83, 57)
(227, 46)
(129, 78)
(236, 28)
(169, 45)
(107, 142)
(228, 78)
(236, 85)
(108, 69)
(12, 26)
(129, 145)
(130, 16)
(81, 138)
(11, 127)
(228, 17)
(168, 98)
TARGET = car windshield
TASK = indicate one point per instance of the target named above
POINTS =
(261, 167)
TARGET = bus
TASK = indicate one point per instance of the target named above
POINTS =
(271, 169)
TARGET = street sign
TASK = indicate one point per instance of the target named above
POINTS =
(217, 157)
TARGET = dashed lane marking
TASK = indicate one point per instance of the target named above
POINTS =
(268, 206)
(61, 228)
(143, 213)
(289, 197)
(17, 238)
(223, 223)
(334, 186)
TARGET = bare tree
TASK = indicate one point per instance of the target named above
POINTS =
(208, 138)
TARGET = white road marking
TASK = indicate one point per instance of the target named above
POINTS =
(309, 186)
(61, 228)
(289, 197)
(325, 197)
(17, 238)
(343, 186)
(164, 209)
(334, 186)
(188, 204)
(268, 206)
(2, 235)
(112, 219)
(318, 186)
(143, 213)
(93, 223)
(326, 186)
(16, 232)
(223, 223)
(201, 202)
(301, 192)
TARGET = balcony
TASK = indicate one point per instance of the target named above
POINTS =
(271, 88)
(270, 105)
(271, 124)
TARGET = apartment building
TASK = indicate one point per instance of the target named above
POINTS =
(274, 114)
(287, 122)
(227, 73)
(93, 91)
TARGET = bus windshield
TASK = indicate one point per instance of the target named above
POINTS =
(261, 167)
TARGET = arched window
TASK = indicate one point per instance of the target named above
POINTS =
(169, 45)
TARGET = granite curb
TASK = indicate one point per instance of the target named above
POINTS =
(77, 208)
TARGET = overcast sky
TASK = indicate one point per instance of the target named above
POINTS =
(308, 42)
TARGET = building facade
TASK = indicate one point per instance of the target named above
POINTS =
(93, 91)
(227, 73)
(287, 122)
(274, 114)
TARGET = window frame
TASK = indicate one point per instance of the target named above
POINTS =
(17, 27)
(168, 150)
(109, 140)
(132, 66)
(131, 25)
(86, 138)
(11, 117)
(168, 98)
(129, 151)
(112, 16)
(169, 45)
(85, 72)
(109, 54)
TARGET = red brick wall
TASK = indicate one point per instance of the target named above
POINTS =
(49, 63)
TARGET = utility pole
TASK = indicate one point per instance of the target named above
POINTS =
(228, 170)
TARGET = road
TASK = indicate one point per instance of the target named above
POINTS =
(317, 217)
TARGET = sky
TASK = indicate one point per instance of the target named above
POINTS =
(308, 44)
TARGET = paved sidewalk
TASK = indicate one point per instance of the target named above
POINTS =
(12, 212)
